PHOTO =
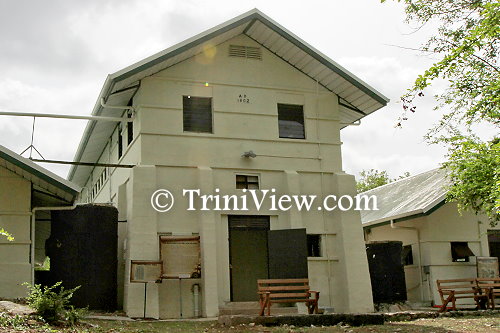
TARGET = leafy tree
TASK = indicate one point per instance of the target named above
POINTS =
(372, 178)
(467, 45)
(474, 168)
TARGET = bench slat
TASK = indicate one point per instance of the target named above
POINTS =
(471, 280)
(293, 300)
(457, 286)
(272, 288)
(282, 281)
(288, 295)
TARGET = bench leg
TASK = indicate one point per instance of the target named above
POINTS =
(309, 307)
(451, 298)
(316, 301)
(264, 300)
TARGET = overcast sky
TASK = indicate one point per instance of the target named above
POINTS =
(55, 55)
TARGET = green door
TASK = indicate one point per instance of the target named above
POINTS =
(247, 255)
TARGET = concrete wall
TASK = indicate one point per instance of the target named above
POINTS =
(436, 231)
(15, 210)
(175, 160)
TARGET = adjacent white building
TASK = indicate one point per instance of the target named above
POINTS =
(438, 241)
(27, 194)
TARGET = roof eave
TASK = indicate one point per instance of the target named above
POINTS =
(36, 170)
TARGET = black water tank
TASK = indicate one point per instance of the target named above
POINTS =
(83, 252)
(386, 271)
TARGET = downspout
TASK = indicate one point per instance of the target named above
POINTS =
(32, 237)
(196, 296)
(421, 283)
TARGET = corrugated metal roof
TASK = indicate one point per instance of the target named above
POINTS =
(357, 99)
(410, 196)
(39, 176)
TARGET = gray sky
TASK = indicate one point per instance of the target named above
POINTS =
(55, 55)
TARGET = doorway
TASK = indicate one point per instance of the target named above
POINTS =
(256, 252)
(247, 255)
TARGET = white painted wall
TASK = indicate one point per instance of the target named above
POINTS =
(15, 212)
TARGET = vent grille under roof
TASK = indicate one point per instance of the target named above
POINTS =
(242, 51)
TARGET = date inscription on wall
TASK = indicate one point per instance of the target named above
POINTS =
(243, 98)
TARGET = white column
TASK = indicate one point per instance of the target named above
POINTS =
(208, 237)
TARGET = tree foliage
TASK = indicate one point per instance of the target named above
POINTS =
(467, 45)
(372, 178)
(474, 170)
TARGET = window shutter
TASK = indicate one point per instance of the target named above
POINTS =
(197, 114)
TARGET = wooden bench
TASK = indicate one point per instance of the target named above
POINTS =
(489, 287)
(286, 291)
(451, 290)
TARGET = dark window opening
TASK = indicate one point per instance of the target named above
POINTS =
(197, 114)
(460, 252)
(291, 121)
(130, 131)
(494, 243)
(314, 245)
(407, 255)
(120, 143)
(247, 182)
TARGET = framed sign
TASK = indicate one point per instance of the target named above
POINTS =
(487, 267)
(180, 256)
(145, 271)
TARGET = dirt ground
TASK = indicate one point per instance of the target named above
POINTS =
(437, 325)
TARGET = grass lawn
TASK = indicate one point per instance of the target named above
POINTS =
(490, 323)
(462, 324)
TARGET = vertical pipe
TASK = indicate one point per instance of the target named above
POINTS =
(419, 256)
(196, 295)
(145, 297)
(180, 296)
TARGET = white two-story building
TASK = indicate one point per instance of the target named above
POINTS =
(245, 105)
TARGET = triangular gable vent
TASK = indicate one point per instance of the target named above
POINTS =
(242, 51)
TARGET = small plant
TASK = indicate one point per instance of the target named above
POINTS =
(52, 303)
(17, 322)
(73, 315)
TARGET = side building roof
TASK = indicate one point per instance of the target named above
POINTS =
(357, 99)
(40, 177)
(415, 195)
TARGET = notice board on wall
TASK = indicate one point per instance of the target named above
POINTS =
(487, 267)
(180, 256)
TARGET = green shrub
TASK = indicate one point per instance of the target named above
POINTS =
(52, 303)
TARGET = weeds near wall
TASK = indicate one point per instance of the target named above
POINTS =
(52, 304)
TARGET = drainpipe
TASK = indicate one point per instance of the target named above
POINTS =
(32, 237)
(196, 294)
(419, 256)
